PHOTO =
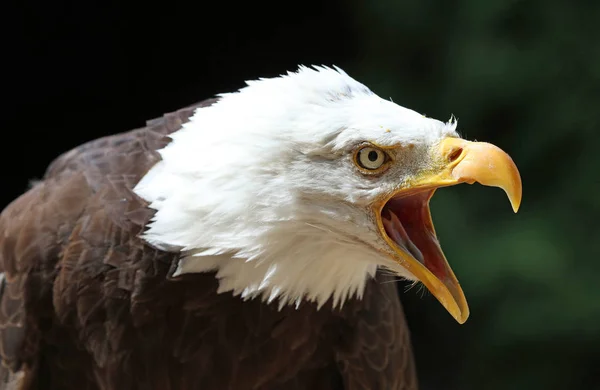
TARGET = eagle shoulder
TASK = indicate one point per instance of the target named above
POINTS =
(58, 257)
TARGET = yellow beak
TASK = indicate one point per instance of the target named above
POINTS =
(469, 162)
(454, 161)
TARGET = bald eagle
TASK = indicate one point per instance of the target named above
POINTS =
(236, 244)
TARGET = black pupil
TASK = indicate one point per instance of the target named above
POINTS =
(373, 156)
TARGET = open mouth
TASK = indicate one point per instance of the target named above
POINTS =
(404, 220)
(407, 223)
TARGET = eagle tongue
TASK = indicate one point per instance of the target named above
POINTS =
(396, 232)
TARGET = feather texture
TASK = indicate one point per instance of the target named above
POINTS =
(85, 303)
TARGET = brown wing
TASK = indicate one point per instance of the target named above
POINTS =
(86, 186)
(375, 349)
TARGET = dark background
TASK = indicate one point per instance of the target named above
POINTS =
(524, 75)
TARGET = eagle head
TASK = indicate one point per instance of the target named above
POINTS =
(300, 187)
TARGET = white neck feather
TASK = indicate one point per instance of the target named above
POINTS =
(321, 271)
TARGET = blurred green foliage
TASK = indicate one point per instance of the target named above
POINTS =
(524, 75)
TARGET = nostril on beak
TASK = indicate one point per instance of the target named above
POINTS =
(454, 154)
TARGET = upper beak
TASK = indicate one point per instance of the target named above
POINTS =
(468, 162)
(458, 161)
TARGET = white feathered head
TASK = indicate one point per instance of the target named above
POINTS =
(301, 186)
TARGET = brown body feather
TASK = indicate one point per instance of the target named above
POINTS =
(86, 304)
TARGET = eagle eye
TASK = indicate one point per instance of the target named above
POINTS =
(371, 159)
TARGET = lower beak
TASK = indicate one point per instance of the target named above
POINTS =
(455, 161)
